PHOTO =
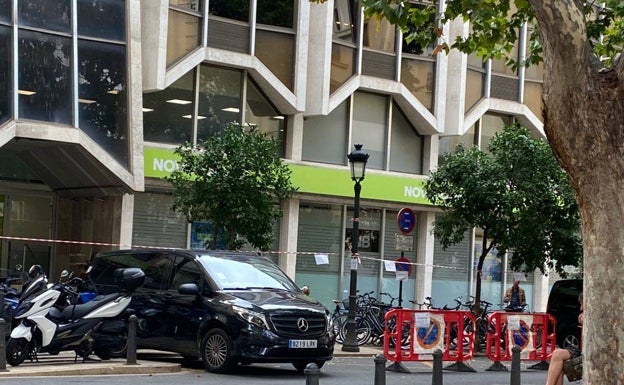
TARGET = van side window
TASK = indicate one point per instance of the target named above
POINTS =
(187, 271)
(158, 272)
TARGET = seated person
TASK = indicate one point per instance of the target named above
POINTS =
(555, 368)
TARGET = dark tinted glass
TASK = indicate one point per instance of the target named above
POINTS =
(167, 114)
(54, 15)
(230, 9)
(103, 97)
(5, 10)
(45, 84)
(105, 19)
(6, 90)
(275, 12)
(219, 100)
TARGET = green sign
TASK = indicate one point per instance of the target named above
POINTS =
(160, 162)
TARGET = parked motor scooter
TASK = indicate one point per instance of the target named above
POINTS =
(49, 324)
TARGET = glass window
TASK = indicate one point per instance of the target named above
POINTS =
(499, 66)
(103, 97)
(229, 9)
(533, 97)
(5, 11)
(268, 43)
(186, 271)
(474, 88)
(275, 12)
(259, 112)
(219, 100)
(167, 114)
(158, 272)
(417, 76)
(490, 125)
(45, 80)
(47, 14)
(183, 36)
(406, 145)
(104, 19)
(344, 20)
(325, 137)
(193, 5)
(448, 144)
(6, 88)
(342, 65)
(369, 126)
(379, 34)
(368, 243)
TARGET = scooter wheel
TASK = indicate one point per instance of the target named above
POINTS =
(18, 350)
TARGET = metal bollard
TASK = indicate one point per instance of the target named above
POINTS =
(312, 372)
(437, 368)
(515, 365)
(380, 369)
(131, 354)
(3, 345)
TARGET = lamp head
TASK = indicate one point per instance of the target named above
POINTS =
(357, 160)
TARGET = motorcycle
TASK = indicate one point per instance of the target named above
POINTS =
(49, 323)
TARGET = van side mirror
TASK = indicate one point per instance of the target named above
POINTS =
(188, 289)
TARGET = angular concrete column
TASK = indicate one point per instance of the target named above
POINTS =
(289, 227)
(424, 255)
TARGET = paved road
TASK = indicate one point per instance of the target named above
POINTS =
(340, 371)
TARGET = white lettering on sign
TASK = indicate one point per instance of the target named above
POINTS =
(168, 165)
(414, 192)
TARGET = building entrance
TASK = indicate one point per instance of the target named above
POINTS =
(28, 216)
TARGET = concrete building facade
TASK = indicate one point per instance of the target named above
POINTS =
(94, 101)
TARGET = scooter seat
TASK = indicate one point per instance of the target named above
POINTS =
(73, 312)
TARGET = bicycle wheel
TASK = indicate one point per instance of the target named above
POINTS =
(338, 323)
(363, 331)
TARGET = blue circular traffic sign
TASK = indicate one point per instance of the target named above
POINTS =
(406, 220)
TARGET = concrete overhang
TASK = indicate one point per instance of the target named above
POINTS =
(521, 112)
(66, 159)
(422, 119)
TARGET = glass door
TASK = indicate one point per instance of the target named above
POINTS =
(25, 216)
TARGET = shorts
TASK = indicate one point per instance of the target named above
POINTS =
(574, 351)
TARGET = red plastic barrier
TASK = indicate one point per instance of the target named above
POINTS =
(429, 330)
(534, 333)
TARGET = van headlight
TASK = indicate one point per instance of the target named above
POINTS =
(252, 317)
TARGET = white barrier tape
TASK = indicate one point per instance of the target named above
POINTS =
(176, 248)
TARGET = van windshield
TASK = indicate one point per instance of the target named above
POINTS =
(245, 273)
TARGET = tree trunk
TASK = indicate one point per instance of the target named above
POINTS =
(584, 123)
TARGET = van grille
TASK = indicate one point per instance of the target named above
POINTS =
(287, 325)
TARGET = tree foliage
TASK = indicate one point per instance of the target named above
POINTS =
(517, 194)
(234, 180)
(495, 26)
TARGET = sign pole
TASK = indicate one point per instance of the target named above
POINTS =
(401, 289)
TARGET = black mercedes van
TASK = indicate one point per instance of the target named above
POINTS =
(223, 307)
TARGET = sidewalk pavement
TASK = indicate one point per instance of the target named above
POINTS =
(66, 364)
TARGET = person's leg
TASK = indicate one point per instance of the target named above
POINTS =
(555, 368)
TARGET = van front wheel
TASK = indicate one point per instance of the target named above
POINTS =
(216, 351)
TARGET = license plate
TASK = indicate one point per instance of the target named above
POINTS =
(301, 344)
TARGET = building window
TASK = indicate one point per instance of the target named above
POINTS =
(343, 47)
(5, 11)
(53, 15)
(103, 96)
(104, 19)
(370, 117)
(183, 33)
(262, 114)
(325, 137)
(6, 88)
(235, 10)
(219, 100)
(406, 145)
(45, 77)
(278, 13)
(167, 114)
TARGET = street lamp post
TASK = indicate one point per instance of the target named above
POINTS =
(357, 161)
